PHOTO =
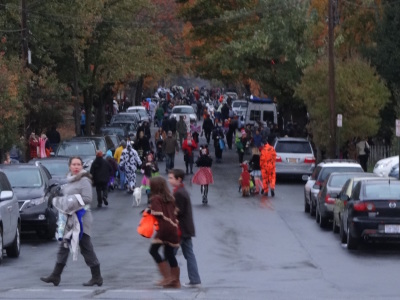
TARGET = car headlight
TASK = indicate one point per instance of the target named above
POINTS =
(37, 201)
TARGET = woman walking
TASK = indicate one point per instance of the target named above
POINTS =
(162, 206)
(79, 187)
(129, 163)
(204, 176)
(188, 146)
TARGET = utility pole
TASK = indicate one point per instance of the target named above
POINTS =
(24, 34)
(331, 74)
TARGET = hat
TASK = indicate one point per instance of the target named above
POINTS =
(108, 153)
(99, 153)
(123, 143)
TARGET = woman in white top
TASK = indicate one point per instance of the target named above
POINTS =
(362, 153)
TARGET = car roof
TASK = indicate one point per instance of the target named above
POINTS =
(338, 162)
(183, 106)
(136, 107)
(52, 158)
(19, 166)
(291, 139)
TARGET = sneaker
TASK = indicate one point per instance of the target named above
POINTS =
(192, 285)
(105, 201)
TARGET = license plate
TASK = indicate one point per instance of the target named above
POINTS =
(292, 160)
(392, 228)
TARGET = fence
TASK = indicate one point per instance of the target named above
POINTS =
(381, 151)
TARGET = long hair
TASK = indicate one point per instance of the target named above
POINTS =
(159, 187)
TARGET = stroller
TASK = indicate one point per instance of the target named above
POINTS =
(159, 150)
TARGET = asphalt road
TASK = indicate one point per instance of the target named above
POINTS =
(246, 248)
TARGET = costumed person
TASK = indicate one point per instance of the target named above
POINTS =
(162, 206)
(101, 172)
(114, 169)
(44, 146)
(129, 163)
(204, 176)
(219, 144)
(117, 157)
(240, 142)
(244, 180)
(195, 130)
(188, 146)
(33, 145)
(142, 144)
(256, 169)
(149, 170)
(186, 224)
(77, 191)
(267, 165)
(159, 138)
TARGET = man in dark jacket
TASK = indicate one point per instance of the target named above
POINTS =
(208, 127)
(186, 224)
(172, 125)
(169, 147)
(101, 172)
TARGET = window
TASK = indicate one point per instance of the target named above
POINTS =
(293, 147)
(255, 115)
(268, 116)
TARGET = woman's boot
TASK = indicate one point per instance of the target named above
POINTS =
(174, 282)
(55, 276)
(96, 277)
(165, 272)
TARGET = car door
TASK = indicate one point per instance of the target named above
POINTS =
(9, 210)
(355, 195)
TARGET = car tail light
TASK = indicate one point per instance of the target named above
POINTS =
(364, 206)
(309, 160)
(278, 159)
(329, 199)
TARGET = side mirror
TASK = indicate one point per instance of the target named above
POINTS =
(305, 177)
(6, 195)
(53, 182)
(344, 197)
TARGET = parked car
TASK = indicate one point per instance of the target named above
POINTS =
(372, 212)
(342, 198)
(121, 130)
(183, 110)
(10, 220)
(85, 149)
(239, 107)
(294, 157)
(394, 172)
(328, 194)
(33, 187)
(141, 111)
(384, 166)
(57, 166)
(127, 118)
(320, 173)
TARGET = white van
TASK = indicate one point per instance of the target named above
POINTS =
(261, 110)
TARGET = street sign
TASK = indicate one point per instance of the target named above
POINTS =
(398, 127)
(339, 120)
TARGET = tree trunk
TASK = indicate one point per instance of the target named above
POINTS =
(139, 90)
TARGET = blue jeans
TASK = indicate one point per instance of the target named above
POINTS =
(121, 178)
(169, 161)
(187, 250)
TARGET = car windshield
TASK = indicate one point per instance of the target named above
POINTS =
(100, 144)
(24, 178)
(325, 172)
(183, 110)
(293, 147)
(113, 130)
(78, 148)
(239, 104)
(58, 168)
(381, 191)
(119, 118)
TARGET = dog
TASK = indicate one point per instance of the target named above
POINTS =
(137, 196)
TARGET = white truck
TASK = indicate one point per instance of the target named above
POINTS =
(261, 110)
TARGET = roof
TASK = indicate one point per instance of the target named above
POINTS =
(292, 139)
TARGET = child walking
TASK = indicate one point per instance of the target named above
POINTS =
(204, 176)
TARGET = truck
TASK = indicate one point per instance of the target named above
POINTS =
(262, 110)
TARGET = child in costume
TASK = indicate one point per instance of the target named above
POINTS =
(245, 180)
(149, 170)
(204, 176)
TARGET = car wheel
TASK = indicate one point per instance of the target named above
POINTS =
(335, 228)
(352, 243)
(323, 222)
(1, 245)
(14, 249)
(316, 215)
(343, 237)
(312, 209)
(306, 205)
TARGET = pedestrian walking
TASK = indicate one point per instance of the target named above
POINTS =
(186, 224)
(363, 153)
(208, 127)
(218, 137)
(182, 130)
(170, 146)
(101, 172)
(79, 183)
(267, 165)
(54, 137)
(129, 163)
(149, 170)
(188, 146)
(117, 157)
(204, 176)
(162, 206)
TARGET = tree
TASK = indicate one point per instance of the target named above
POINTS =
(361, 94)
(13, 86)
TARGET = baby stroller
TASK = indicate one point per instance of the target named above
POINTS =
(159, 150)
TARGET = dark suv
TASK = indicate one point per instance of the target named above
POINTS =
(10, 221)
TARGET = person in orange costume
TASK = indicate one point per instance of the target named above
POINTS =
(267, 164)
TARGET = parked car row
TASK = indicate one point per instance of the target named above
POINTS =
(360, 206)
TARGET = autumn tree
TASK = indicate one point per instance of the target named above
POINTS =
(361, 94)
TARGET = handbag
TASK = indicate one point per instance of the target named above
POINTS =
(366, 149)
(147, 224)
(221, 144)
